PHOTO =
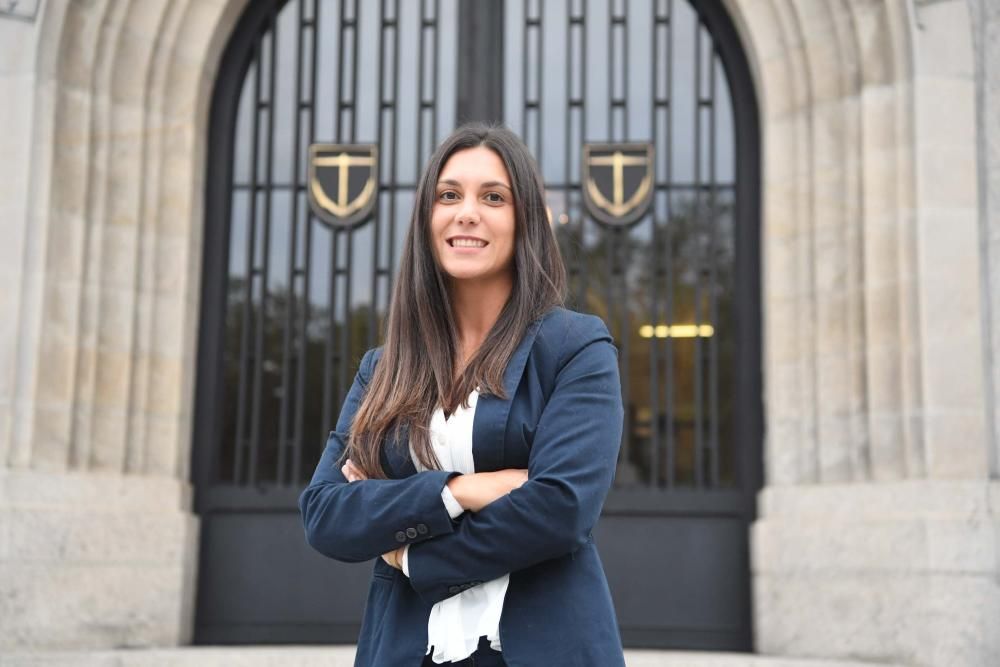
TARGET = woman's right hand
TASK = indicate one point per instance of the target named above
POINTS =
(474, 491)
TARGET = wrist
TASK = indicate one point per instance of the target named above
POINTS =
(457, 486)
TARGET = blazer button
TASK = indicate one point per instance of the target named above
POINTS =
(422, 528)
(411, 533)
(400, 536)
(453, 589)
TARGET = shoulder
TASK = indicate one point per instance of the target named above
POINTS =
(564, 333)
(367, 365)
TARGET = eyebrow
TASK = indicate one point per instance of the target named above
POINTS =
(487, 184)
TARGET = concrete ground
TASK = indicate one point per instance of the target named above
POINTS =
(343, 656)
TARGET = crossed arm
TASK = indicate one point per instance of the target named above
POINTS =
(570, 470)
(468, 492)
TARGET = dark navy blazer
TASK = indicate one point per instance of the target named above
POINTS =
(563, 422)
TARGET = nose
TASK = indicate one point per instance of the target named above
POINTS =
(468, 211)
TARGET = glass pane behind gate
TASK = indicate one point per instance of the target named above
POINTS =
(642, 71)
(306, 300)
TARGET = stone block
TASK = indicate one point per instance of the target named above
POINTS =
(917, 620)
(97, 491)
(956, 444)
(70, 605)
(890, 545)
(903, 571)
(94, 561)
(885, 455)
(41, 534)
(788, 447)
(943, 45)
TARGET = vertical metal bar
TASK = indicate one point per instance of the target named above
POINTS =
(329, 398)
(376, 236)
(419, 153)
(346, 332)
(625, 71)
(623, 301)
(611, 70)
(395, 152)
(339, 96)
(573, 106)
(304, 312)
(584, 276)
(698, 439)
(539, 86)
(241, 412)
(525, 57)
(713, 342)
(616, 277)
(654, 318)
(287, 396)
(609, 233)
(480, 60)
(258, 380)
(668, 254)
(354, 75)
(435, 88)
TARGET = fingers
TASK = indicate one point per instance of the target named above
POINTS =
(352, 472)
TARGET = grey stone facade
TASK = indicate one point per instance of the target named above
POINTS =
(879, 530)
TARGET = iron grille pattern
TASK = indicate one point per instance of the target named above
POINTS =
(304, 300)
(618, 71)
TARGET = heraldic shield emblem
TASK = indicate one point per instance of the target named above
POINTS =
(617, 181)
(343, 182)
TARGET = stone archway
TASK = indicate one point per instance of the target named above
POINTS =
(876, 453)
(878, 492)
(96, 476)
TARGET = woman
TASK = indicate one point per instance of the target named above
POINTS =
(476, 447)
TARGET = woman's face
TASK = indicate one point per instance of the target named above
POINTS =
(472, 220)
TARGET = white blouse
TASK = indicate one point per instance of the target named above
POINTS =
(456, 623)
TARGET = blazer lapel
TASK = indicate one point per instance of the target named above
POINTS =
(488, 425)
(490, 422)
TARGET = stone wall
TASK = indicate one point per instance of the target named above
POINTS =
(877, 536)
(878, 530)
(102, 223)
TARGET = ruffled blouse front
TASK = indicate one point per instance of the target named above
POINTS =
(456, 623)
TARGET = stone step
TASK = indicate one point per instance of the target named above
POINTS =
(343, 656)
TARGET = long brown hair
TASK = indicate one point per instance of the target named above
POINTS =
(416, 371)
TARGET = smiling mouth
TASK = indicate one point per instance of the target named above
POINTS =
(466, 243)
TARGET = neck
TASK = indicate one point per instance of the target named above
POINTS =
(477, 307)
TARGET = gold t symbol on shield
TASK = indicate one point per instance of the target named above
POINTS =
(618, 161)
(343, 207)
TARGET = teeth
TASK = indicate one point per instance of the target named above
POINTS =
(467, 243)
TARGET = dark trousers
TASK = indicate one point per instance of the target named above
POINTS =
(483, 656)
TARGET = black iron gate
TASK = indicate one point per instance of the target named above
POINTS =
(290, 304)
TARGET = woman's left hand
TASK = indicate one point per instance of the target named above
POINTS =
(354, 474)
(394, 558)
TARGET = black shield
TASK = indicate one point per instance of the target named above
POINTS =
(343, 182)
(617, 181)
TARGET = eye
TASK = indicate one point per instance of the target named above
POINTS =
(448, 195)
(495, 197)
